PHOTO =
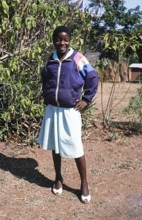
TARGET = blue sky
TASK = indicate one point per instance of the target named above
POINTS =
(128, 3)
(133, 3)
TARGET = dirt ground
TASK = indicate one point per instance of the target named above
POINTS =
(114, 167)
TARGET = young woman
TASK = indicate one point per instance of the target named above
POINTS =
(65, 76)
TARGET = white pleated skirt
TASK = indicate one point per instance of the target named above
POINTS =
(61, 131)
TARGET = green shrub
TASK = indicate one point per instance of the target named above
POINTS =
(88, 116)
(135, 106)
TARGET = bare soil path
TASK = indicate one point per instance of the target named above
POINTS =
(114, 173)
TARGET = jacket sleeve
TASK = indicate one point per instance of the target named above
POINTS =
(90, 86)
(90, 77)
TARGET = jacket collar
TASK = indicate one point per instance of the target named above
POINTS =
(70, 52)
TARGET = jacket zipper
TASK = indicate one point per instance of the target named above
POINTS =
(58, 80)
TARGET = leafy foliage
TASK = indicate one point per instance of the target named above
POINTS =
(135, 106)
(88, 116)
(26, 37)
(114, 19)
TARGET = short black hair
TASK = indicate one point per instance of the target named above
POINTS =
(60, 29)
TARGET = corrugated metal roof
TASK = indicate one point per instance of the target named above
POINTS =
(136, 65)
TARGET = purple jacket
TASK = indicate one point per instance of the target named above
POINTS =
(68, 81)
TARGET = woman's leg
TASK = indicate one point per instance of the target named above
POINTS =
(81, 165)
(57, 167)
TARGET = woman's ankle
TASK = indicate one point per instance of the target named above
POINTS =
(58, 181)
(84, 188)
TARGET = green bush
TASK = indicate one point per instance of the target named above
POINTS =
(88, 116)
(135, 106)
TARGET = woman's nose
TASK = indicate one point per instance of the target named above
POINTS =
(62, 42)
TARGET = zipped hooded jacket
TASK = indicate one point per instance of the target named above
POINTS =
(65, 82)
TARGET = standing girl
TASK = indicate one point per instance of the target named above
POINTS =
(65, 76)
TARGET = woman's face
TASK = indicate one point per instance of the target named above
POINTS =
(62, 43)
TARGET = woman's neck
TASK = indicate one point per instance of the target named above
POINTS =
(62, 56)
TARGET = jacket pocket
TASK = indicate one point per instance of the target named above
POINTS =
(49, 94)
(67, 97)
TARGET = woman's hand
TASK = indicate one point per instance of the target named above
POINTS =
(80, 105)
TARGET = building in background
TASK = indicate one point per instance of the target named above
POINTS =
(135, 72)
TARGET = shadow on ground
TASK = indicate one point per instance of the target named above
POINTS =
(24, 168)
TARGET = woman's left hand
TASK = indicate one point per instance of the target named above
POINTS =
(80, 105)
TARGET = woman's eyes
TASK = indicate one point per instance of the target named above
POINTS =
(66, 40)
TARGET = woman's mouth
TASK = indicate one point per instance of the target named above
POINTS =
(62, 49)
